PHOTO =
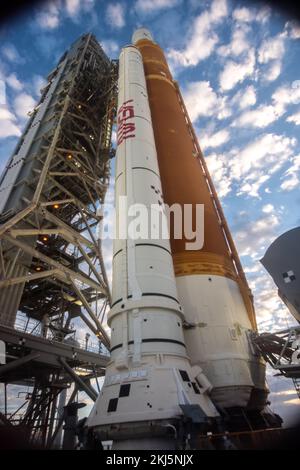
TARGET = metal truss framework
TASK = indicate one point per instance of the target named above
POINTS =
(52, 237)
(49, 368)
(51, 263)
(282, 351)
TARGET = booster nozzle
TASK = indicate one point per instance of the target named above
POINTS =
(141, 33)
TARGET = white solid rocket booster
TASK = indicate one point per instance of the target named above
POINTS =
(149, 375)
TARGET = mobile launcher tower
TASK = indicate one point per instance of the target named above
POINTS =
(182, 361)
(51, 266)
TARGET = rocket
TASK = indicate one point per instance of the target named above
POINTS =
(149, 376)
(211, 284)
(180, 319)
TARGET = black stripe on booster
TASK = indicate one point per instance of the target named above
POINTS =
(154, 294)
(144, 168)
(151, 340)
(117, 252)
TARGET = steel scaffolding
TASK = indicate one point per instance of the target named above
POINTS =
(281, 350)
(51, 263)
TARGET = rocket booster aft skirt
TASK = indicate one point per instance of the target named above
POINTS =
(149, 375)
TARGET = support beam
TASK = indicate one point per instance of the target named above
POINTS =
(57, 201)
(87, 306)
(89, 324)
(81, 384)
(14, 220)
(30, 277)
(54, 263)
(56, 436)
(99, 253)
(18, 362)
(73, 198)
(66, 228)
(33, 232)
(90, 264)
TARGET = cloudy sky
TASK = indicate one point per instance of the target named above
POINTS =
(237, 66)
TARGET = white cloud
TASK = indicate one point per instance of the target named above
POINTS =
(286, 95)
(295, 118)
(259, 117)
(272, 48)
(223, 110)
(236, 72)
(214, 140)
(246, 15)
(201, 100)
(149, 6)
(268, 151)
(14, 82)
(49, 16)
(293, 28)
(10, 53)
(267, 208)
(252, 239)
(6, 114)
(265, 114)
(250, 167)
(217, 168)
(22, 104)
(253, 269)
(9, 129)
(252, 188)
(256, 235)
(73, 7)
(243, 14)
(115, 15)
(38, 83)
(265, 224)
(273, 71)
(114, 138)
(8, 126)
(201, 39)
(291, 176)
(238, 44)
(110, 47)
(266, 297)
(263, 14)
(245, 97)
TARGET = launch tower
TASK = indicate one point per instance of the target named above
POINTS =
(52, 269)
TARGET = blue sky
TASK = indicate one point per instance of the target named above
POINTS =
(237, 66)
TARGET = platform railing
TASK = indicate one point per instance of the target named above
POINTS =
(35, 328)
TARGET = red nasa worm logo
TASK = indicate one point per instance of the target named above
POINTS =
(125, 127)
